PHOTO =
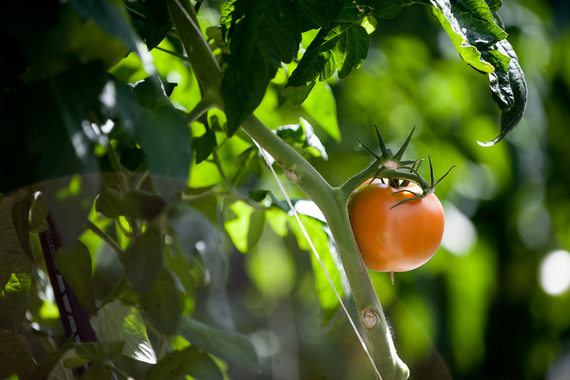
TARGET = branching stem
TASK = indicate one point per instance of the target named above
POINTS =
(331, 201)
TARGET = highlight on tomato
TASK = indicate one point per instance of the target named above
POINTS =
(395, 230)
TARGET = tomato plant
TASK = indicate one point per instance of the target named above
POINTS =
(395, 237)
(136, 258)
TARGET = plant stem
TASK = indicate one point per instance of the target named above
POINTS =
(331, 201)
(204, 64)
(106, 238)
(173, 53)
(199, 109)
(349, 186)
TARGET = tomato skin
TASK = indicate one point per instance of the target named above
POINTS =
(395, 239)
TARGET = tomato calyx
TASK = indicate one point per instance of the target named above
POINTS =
(398, 172)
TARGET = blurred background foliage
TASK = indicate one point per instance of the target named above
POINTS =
(493, 303)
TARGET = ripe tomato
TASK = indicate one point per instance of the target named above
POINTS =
(395, 239)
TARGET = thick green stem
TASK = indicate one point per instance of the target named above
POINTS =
(331, 201)
(349, 186)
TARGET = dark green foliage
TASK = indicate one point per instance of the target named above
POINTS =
(75, 266)
(266, 35)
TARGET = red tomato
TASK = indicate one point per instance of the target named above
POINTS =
(395, 239)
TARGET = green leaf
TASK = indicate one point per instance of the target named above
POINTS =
(156, 23)
(257, 195)
(15, 267)
(267, 34)
(321, 107)
(470, 25)
(21, 219)
(134, 204)
(385, 9)
(256, 224)
(118, 322)
(113, 20)
(343, 47)
(200, 243)
(75, 266)
(99, 351)
(143, 260)
(189, 361)
(351, 50)
(15, 357)
(509, 91)
(142, 205)
(77, 194)
(227, 17)
(244, 225)
(328, 300)
(302, 137)
(204, 145)
(297, 94)
(320, 13)
(147, 117)
(55, 140)
(161, 304)
(38, 214)
(162, 131)
(473, 27)
(228, 345)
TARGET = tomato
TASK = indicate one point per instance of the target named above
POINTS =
(395, 239)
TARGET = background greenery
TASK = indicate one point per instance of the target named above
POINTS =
(478, 309)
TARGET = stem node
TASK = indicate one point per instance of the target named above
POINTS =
(369, 318)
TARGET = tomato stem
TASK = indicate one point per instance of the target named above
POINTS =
(331, 201)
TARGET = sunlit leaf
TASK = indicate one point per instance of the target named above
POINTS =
(228, 345)
(116, 321)
(321, 107)
(473, 27)
(341, 48)
(303, 138)
(243, 224)
(470, 26)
